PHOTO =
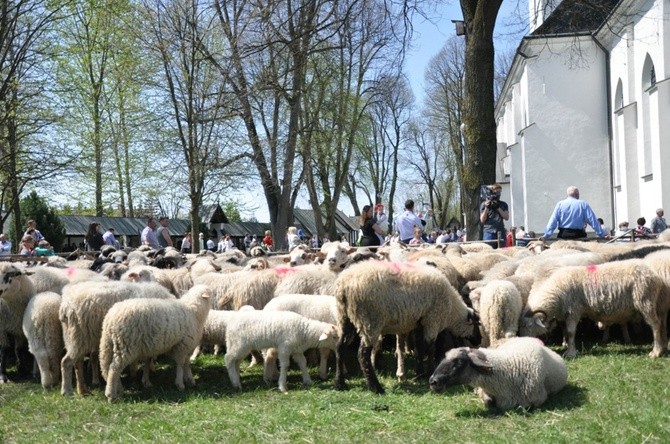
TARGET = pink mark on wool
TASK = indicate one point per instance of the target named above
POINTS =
(399, 267)
(591, 268)
(70, 271)
(283, 271)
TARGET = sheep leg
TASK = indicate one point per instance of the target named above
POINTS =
(195, 354)
(570, 330)
(270, 366)
(66, 375)
(284, 362)
(94, 363)
(188, 374)
(179, 378)
(302, 364)
(420, 347)
(232, 365)
(399, 352)
(25, 360)
(146, 369)
(659, 345)
(323, 363)
(626, 334)
(82, 388)
(347, 329)
(3, 364)
(256, 358)
(365, 361)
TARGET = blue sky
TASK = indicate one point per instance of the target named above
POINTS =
(431, 34)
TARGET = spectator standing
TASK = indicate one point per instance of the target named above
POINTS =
(267, 240)
(221, 246)
(247, 241)
(5, 245)
(148, 236)
(36, 235)
(94, 237)
(570, 216)
(201, 241)
(371, 232)
(210, 245)
(110, 239)
(186, 243)
(492, 214)
(406, 222)
(382, 221)
(163, 232)
(658, 224)
(292, 238)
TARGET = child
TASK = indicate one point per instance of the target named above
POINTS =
(27, 245)
(416, 240)
(44, 248)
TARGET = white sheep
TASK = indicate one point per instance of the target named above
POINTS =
(16, 289)
(521, 372)
(45, 335)
(499, 311)
(140, 329)
(610, 293)
(82, 310)
(290, 334)
(314, 306)
(376, 298)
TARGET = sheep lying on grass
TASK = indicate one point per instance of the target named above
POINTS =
(290, 334)
(140, 329)
(521, 372)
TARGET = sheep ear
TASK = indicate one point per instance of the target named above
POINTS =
(479, 362)
(287, 259)
(323, 336)
(538, 320)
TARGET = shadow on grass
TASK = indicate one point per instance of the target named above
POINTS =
(570, 398)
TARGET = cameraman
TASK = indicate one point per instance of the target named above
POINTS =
(493, 213)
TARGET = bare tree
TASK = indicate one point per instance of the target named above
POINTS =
(197, 99)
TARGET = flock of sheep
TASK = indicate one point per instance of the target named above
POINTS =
(124, 309)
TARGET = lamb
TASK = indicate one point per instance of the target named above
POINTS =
(376, 298)
(16, 289)
(320, 307)
(290, 334)
(214, 331)
(610, 293)
(520, 372)
(82, 310)
(499, 313)
(137, 329)
(45, 335)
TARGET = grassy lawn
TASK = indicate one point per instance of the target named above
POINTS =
(615, 394)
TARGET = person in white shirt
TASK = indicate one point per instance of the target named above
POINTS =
(406, 222)
(221, 248)
(381, 219)
(110, 239)
(5, 245)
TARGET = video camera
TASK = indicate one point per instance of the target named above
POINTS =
(489, 196)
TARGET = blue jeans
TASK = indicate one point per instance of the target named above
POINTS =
(492, 236)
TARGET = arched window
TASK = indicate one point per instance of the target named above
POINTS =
(649, 115)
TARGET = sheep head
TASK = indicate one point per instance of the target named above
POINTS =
(533, 323)
(459, 366)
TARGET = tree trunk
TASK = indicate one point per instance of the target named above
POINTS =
(478, 111)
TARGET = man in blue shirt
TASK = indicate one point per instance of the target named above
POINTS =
(571, 216)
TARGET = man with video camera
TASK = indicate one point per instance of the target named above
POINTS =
(493, 213)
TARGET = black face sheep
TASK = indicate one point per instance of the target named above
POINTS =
(610, 293)
(521, 372)
(376, 298)
(139, 329)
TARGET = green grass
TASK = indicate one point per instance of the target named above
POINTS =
(615, 394)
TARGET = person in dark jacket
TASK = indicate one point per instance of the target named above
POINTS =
(94, 237)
